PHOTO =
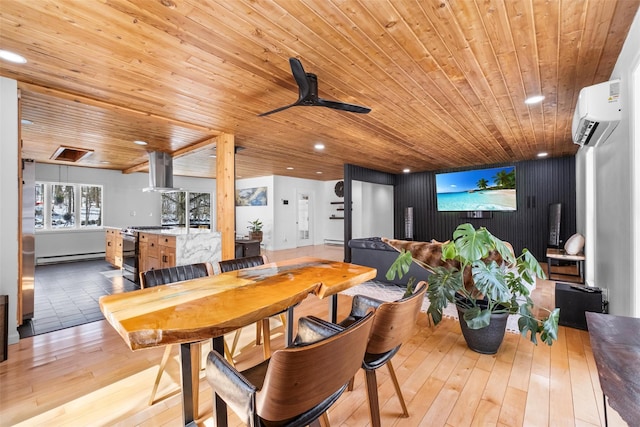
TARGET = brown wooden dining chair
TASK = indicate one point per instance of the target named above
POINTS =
(298, 384)
(263, 329)
(164, 276)
(393, 325)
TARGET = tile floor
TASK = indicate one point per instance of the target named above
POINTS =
(67, 294)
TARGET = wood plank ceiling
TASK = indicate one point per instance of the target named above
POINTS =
(446, 80)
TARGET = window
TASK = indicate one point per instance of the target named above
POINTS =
(39, 217)
(90, 206)
(200, 209)
(175, 208)
(63, 211)
(62, 206)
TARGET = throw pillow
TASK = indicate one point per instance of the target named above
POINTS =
(575, 244)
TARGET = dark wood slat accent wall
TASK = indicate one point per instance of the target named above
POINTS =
(539, 183)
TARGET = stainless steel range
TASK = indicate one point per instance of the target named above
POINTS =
(131, 249)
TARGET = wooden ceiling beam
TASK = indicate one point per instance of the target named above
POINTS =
(111, 107)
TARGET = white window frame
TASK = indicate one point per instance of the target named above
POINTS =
(77, 194)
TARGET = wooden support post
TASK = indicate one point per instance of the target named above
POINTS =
(225, 191)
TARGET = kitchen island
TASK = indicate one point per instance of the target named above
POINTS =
(178, 246)
(142, 248)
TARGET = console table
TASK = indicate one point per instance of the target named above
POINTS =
(615, 343)
(561, 255)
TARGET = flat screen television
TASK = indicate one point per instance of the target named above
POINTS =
(492, 189)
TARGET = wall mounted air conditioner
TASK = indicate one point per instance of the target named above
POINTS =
(597, 113)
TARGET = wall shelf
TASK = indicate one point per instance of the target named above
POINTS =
(338, 209)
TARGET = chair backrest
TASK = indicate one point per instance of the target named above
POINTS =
(394, 321)
(300, 378)
(163, 276)
(240, 263)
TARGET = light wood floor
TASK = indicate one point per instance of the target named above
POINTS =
(86, 375)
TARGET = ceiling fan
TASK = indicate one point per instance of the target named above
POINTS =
(308, 93)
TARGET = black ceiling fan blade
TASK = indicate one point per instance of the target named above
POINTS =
(301, 77)
(277, 109)
(342, 106)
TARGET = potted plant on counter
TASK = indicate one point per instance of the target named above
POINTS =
(255, 230)
(481, 275)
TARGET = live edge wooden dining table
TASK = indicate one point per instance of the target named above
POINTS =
(192, 311)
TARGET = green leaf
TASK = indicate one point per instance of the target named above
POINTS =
(477, 318)
(472, 245)
(443, 285)
(532, 264)
(400, 266)
(504, 251)
(528, 325)
(550, 327)
(490, 281)
(410, 285)
(449, 251)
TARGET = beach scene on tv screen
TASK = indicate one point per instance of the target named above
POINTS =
(491, 189)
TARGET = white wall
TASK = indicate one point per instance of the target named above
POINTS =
(615, 193)
(286, 227)
(279, 219)
(332, 229)
(372, 210)
(9, 196)
(244, 214)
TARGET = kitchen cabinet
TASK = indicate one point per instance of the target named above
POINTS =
(113, 250)
(180, 246)
(156, 251)
(148, 258)
(167, 251)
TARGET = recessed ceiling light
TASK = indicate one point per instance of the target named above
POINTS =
(212, 156)
(105, 162)
(289, 168)
(319, 173)
(26, 122)
(543, 154)
(319, 146)
(140, 142)
(406, 170)
(534, 99)
(12, 57)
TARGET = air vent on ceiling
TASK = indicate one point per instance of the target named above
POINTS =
(69, 154)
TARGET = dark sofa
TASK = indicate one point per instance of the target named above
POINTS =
(373, 252)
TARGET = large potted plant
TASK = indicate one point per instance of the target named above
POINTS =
(480, 274)
(255, 230)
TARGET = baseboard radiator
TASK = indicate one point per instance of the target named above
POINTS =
(54, 259)
(334, 242)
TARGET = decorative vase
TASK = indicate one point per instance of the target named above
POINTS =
(485, 340)
(255, 235)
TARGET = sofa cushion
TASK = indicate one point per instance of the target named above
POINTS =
(370, 243)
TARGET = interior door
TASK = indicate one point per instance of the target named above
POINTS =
(303, 220)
